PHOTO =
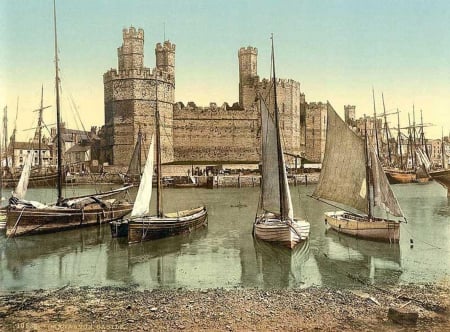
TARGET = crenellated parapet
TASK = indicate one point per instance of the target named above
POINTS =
(166, 46)
(248, 50)
(133, 33)
(144, 73)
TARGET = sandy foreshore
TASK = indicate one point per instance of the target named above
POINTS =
(314, 308)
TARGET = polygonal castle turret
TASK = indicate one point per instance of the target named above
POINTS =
(131, 53)
(165, 57)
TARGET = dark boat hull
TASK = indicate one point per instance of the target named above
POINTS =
(151, 227)
(31, 221)
(35, 181)
(443, 177)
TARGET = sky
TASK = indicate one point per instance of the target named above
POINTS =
(339, 50)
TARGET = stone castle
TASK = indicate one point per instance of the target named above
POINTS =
(214, 134)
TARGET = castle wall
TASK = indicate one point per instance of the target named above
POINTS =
(216, 134)
(316, 124)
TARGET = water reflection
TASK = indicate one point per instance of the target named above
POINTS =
(226, 255)
(344, 257)
(280, 267)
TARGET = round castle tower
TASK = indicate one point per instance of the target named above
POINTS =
(248, 76)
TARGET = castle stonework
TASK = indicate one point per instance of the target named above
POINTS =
(316, 131)
(130, 95)
(214, 134)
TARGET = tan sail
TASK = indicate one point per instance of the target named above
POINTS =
(382, 192)
(343, 175)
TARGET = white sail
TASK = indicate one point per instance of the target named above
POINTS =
(142, 203)
(22, 185)
(271, 169)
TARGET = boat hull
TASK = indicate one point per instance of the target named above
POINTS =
(442, 177)
(397, 177)
(286, 233)
(350, 224)
(153, 227)
(35, 181)
(31, 221)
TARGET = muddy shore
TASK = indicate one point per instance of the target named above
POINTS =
(314, 308)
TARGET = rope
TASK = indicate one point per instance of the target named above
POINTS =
(17, 223)
(429, 244)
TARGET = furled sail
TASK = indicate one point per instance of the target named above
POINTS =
(134, 167)
(343, 175)
(22, 185)
(142, 203)
(271, 168)
(382, 192)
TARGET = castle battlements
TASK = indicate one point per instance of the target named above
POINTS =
(281, 82)
(145, 73)
(248, 49)
(132, 33)
(167, 46)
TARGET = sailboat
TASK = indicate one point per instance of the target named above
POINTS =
(275, 220)
(142, 226)
(31, 217)
(352, 175)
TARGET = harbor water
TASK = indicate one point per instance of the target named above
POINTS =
(225, 255)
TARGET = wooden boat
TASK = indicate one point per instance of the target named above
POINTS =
(352, 175)
(142, 226)
(275, 220)
(442, 176)
(397, 176)
(28, 218)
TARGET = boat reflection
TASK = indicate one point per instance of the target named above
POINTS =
(150, 263)
(345, 257)
(51, 258)
(280, 267)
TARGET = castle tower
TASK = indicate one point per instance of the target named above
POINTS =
(165, 57)
(349, 111)
(248, 76)
(131, 53)
(131, 94)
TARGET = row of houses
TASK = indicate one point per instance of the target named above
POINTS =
(80, 151)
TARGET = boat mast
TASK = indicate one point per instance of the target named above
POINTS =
(366, 153)
(279, 149)
(410, 143)
(387, 130)
(443, 149)
(5, 132)
(58, 116)
(375, 122)
(159, 210)
(424, 141)
(399, 139)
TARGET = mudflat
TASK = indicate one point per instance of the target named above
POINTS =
(238, 309)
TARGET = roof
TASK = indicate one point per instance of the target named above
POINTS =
(78, 148)
(30, 146)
